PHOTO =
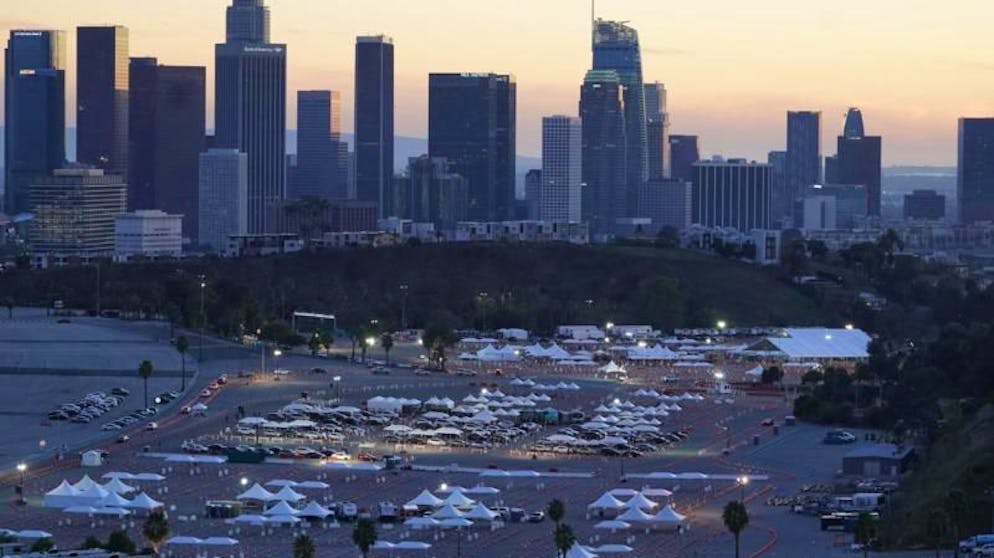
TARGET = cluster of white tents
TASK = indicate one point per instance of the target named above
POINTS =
(89, 497)
(527, 383)
(627, 507)
(395, 405)
(282, 506)
(580, 551)
(686, 396)
(456, 510)
(514, 353)
(194, 541)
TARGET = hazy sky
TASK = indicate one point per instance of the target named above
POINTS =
(732, 67)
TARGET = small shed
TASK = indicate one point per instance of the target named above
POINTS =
(878, 461)
(91, 458)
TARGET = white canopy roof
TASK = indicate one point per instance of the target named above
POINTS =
(280, 508)
(481, 512)
(636, 515)
(612, 525)
(607, 501)
(288, 494)
(421, 522)
(819, 342)
(85, 483)
(641, 502)
(116, 486)
(448, 511)
(257, 492)
(577, 551)
(426, 499)
(113, 500)
(144, 502)
(314, 509)
(64, 489)
(669, 516)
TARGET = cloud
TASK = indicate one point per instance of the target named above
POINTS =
(667, 51)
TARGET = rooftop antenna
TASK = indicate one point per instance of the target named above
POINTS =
(593, 21)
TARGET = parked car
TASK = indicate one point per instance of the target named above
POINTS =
(838, 437)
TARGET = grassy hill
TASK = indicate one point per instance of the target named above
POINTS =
(486, 286)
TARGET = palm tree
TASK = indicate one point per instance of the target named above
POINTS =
(183, 345)
(865, 531)
(156, 530)
(314, 344)
(173, 314)
(736, 519)
(145, 370)
(564, 539)
(386, 341)
(364, 535)
(303, 547)
(556, 511)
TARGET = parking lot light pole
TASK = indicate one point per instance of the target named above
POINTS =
(21, 469)
(743, 481)
(203, 287)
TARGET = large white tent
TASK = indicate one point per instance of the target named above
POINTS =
(426, 500)
(257, 492)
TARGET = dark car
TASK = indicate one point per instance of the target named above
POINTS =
(319, 371)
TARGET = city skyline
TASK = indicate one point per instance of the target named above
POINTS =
(728, 68)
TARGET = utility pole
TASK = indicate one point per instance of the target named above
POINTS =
(203, 287)
(403, 307)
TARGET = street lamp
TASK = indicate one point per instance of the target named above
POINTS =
(849, 327)
(370, 341)
(403, 307)
(722, 324)
(258, 337)
(21, 468)
(243, 481)
(338, 386)
(742, 481)
(609, 325)
(276, 354)
(203, 287)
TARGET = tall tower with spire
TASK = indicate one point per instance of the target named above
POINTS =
(616, 47)
(853, 127)
(250, 108)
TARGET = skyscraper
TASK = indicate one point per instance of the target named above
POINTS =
(562, 169)
(803, 163)
(250, 106)
(778, 183)
(75, 211)
(657, 131)
(223, 197)
(472, 123)
(166, 133)
(859, 160)
(102, 98)
(602, 113)
(373, 118)
(975, 170)
(616, 47)
(431, 194)
(684, 152)
(533, 193)
(732, 193)
(34, 112)
(318, 136)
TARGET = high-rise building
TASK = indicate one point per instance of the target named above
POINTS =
(778, 160)
(819, 213)
(34, 112)
(684, 152)
(832, 169)
(803, 164)
(859, 159)
(666, 203)
(472, 123)
(250, 106)
(616, 47)
(75, 211)
(602, 114)
(223, 197)
(374, 134)
(166, 134)
(733, 194)
(853, 127)
(924, 204)
(975, 170)
(850, 202)
(318, 139)
(657, 131)
(562, 169)
(430, 193)
(533, 193)
(102, 98)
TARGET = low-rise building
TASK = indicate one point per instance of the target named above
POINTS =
(878, 461)
(148, 234)
(244, 245)
(522, 231)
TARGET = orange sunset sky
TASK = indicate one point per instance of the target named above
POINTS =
(732, 67)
